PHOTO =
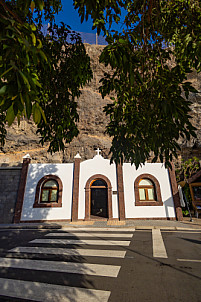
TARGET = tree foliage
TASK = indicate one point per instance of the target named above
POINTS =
(188, 169)
(40, 75)
(158, 44)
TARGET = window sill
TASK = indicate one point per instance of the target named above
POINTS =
(149, 203)
(47, 205)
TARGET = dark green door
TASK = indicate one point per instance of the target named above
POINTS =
(99, 202)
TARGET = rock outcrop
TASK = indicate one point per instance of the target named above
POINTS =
(92, 125)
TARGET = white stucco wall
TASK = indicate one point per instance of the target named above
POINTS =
(88, 168)
(161, 174)
(35, 173)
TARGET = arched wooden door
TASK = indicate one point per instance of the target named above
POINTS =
(99, 198)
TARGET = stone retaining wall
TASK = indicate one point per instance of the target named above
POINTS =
(9, 183)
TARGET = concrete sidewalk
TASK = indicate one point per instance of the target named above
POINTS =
(138, 224)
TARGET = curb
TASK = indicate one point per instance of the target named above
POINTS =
(138, 226)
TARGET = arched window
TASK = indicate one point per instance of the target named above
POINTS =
(147, 191)
(99, 183)
(48, 192)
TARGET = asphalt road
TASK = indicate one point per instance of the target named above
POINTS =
(119, 265)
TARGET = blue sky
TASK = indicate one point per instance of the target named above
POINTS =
(70, 16)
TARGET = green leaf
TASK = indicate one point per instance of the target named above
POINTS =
(26, 82)
(132, 78)
(5, 72)
(36, 113)
(18, 119)
(33, 39)
(28, 106)
(18, 83)
(10, 116)
(41, 4)
(21, 103)
(3, 90)
(32, 6)
(33, 27)
(43, 55)
(40, 45)
(122, 41)
(43, 114)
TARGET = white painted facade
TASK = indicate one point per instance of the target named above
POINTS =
(89, 168)
(161, 174)
(35, 173)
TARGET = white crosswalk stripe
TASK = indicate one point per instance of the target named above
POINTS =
(83, 241)
(189, 260)
(43, 291)
(70, 252)
(159, 250)
(86, 234)
(64, 267)
(95, 230)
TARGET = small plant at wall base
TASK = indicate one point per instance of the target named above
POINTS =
(185, 212)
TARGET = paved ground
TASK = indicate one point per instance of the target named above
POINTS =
(195, 224)
(94, 264)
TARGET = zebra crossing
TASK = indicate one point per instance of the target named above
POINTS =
(76, 249)
(92, 264)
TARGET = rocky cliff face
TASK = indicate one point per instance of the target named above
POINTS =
(193, 147)
(92, 124)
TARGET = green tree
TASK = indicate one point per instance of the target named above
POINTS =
(40, 74)
(158, 44)
(188, 169)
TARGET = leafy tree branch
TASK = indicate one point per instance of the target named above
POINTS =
(40, 75)
(150, 111)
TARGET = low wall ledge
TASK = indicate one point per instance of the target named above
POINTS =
(10, 168)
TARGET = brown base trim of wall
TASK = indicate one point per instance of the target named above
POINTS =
(69, 220)
(38, 221)
(158, 218)
(93, 220)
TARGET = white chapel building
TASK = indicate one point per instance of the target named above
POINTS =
(95, 189)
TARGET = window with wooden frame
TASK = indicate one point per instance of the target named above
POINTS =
(147, 191)
(98, 183)
(48, 192)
